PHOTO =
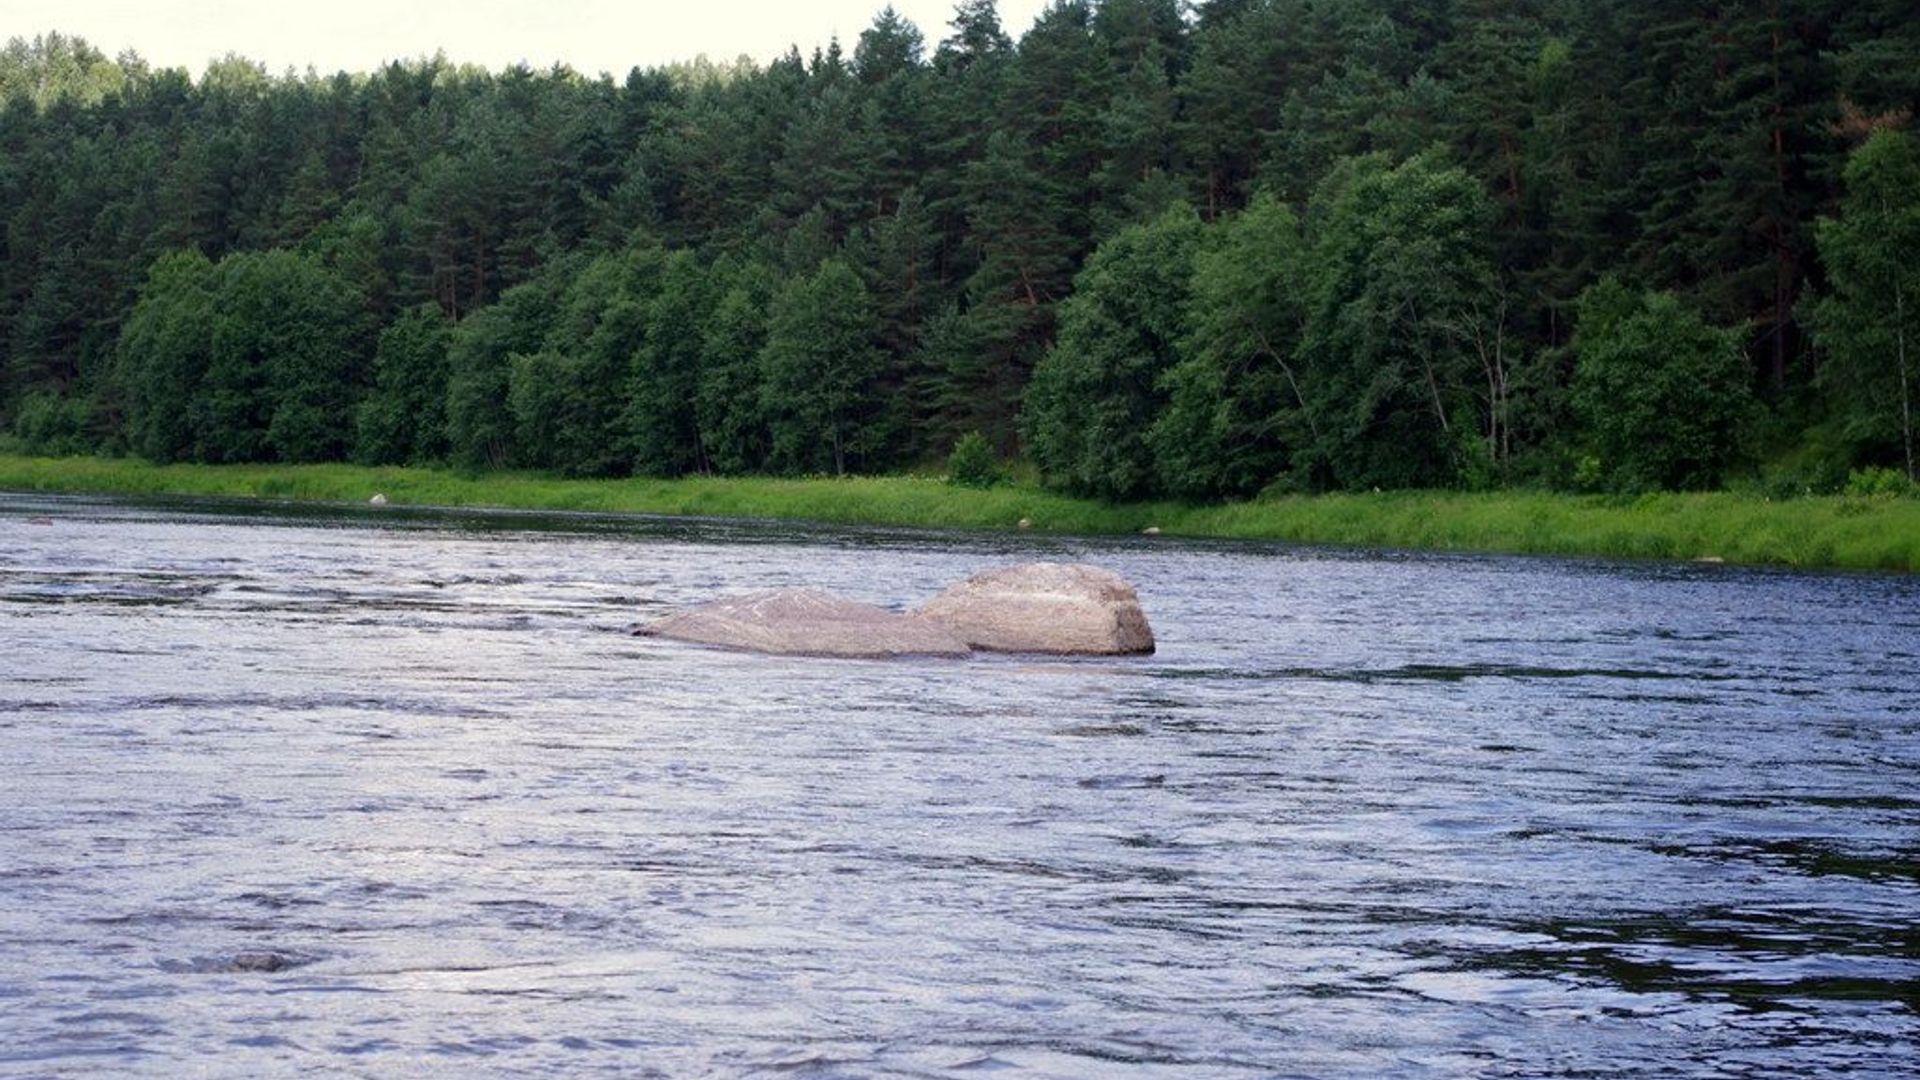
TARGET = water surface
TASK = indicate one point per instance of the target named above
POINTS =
(290, 790)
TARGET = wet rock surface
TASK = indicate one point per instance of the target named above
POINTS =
(807, 622)
(1070, 609)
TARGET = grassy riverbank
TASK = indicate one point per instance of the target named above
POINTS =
(1843, 532)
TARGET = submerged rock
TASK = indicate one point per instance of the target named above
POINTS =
(806, 622)
(1063, 608)
(265, 962)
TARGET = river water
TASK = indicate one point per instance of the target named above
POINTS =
(293, 790)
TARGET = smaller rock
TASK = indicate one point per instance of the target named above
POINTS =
(1068, 609)
(806, 622)
(379, 499)
(262, 961)
(1026, 523)
(1710, 559)
(1151, 530)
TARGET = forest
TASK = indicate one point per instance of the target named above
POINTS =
(1146, 248)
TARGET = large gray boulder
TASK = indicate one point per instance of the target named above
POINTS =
(806, 622)
(1068, 609)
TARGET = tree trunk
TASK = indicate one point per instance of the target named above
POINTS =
(1286, 369)
(1433, 387)
(1512, 155)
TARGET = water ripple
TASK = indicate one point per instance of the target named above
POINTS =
(294, 790)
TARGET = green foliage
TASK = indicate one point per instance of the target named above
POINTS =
(1816, 463)
(571, 389)
(1397, 322)
(1663, 395)
(480, 423)
(1870, 324)
(297, 331)
(1873, 483)
(1461, 174)
(163, 356)
(1235, 407)
(607, 331)
(729, 402)
(547, 401)
(973, 463)
(663, 417)
(818, 367)
(404, 418)
(1476, 461)
(57, 68)
(258, 356)
(1096, 394)
(51, 425)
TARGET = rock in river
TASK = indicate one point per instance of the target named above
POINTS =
(1063, 608)
(806, 622)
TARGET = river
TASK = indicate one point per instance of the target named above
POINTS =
(291, 790)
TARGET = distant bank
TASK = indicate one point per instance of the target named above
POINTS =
(1838, 532)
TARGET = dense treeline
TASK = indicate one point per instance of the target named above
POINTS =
(1201, 250)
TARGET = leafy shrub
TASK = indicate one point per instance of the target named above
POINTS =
(52, 425)
(1664, 395)
(972, 463)
(1816, 462)
(1588, 475)
(1477, 470)
(1873, 483)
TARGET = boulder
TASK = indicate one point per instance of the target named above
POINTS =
(1063, 608)
(806, 622)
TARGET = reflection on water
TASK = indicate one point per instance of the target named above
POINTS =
(297, 789)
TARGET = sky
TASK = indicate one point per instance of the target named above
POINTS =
(358, 35)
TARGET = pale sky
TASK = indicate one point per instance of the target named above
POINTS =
(357, 35)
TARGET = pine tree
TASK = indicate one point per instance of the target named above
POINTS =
(963, 107)
(895, 92)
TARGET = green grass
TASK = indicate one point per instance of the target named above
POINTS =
(1836, 531)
